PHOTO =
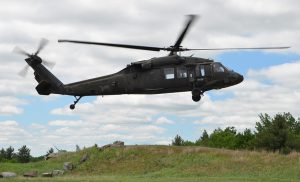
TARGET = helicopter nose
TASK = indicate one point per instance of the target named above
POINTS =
(240, 78)
(236, 78)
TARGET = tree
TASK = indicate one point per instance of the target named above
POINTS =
(178, 141)
(203, 140)
(77, 148)
(204, 136)
(188, 143)
(24, 154)
(223, 138)
(2, 154)
(9, 153)
(245, 139)
(282, 132)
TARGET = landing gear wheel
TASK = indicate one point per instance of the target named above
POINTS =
(196, 98)
(196, 92)
(72, 106)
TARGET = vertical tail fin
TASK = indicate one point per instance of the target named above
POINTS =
(48, 83)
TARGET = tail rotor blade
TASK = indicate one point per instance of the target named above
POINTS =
(41, 46)
(33, 57)
(24, 71)
(18, 50)
(49, 64)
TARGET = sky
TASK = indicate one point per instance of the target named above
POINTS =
(271, 83)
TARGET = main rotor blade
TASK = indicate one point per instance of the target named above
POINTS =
(236, 48)
(24, 71)
(185, 30)
(43, 43)
(115, 45)
(20, 51)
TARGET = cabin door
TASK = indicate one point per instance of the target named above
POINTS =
(191, 73)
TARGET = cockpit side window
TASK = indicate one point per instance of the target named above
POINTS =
(218, 68)
(181, 72)
(169, 73)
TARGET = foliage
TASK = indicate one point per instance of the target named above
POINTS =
(166, 163)
(245, 139)
(37, 159)
(2, 155)
(178, 141)
(9, 153)
(281, 133)
(223, 138)
(187, 143)
(24, 154)
(203, 140)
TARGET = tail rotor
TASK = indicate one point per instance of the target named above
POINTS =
(33, 58)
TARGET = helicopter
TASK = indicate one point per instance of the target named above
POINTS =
(161, 75)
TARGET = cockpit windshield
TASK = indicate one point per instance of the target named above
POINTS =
(218, 67)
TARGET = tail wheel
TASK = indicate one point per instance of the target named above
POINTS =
(72, 106)
(77, 98)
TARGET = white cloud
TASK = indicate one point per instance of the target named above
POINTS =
(66, 123)
(163, 120)
(37, 126)
(286, 75)
(152, 23)
(11, 105)
(255, 96)
(12, 133)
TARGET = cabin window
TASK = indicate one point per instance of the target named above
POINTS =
(218, 68)
(169, 73)
(181, 72)
(202, 70)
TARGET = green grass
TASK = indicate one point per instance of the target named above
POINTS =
(165, 163)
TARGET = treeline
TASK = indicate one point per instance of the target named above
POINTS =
(279, 133)
(22, 155)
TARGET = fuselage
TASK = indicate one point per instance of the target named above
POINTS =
(157, 76)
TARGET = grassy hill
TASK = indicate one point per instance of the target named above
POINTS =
(168, 163)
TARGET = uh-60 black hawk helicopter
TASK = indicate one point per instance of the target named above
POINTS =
(172, 73)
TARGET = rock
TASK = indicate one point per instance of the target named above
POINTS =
(84, 158)
(68, 166)
(57, 172)
(115, 144)
(52, 155)
(31, 174)
(8, 174)
(105, 146)
(47, 175)
(118, 144)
